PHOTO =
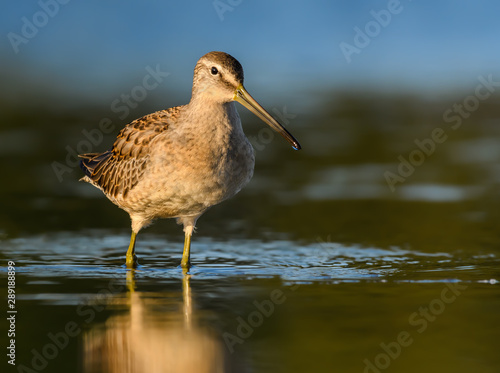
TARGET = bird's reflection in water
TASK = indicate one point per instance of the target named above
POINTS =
(146, 340)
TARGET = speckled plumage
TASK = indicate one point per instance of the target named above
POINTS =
(176, 163)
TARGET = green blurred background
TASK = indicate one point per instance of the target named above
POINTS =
(357, 114)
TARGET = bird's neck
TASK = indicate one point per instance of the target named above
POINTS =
(209, 114)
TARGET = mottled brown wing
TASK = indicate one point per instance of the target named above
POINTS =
(119, 170)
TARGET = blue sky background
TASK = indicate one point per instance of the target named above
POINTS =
(92, 50)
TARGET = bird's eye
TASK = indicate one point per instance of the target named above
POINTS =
(214, 71)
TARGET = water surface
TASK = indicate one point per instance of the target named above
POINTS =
(248, 305)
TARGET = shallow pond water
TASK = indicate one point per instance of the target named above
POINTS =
(248, 305)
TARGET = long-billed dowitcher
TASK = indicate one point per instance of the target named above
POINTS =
(176, 163)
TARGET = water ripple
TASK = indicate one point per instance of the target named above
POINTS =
(101, 254)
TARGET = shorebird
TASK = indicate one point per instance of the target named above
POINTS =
(176, 163)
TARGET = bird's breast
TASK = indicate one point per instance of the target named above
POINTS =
(187, 177)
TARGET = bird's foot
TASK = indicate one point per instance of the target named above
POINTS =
(131, 261)
(185, 264)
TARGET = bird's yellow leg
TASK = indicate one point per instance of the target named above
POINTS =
(131, 260)
(187, 247)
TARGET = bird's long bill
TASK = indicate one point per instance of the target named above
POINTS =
(243, 97)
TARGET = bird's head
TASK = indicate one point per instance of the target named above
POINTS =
(219, 77)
